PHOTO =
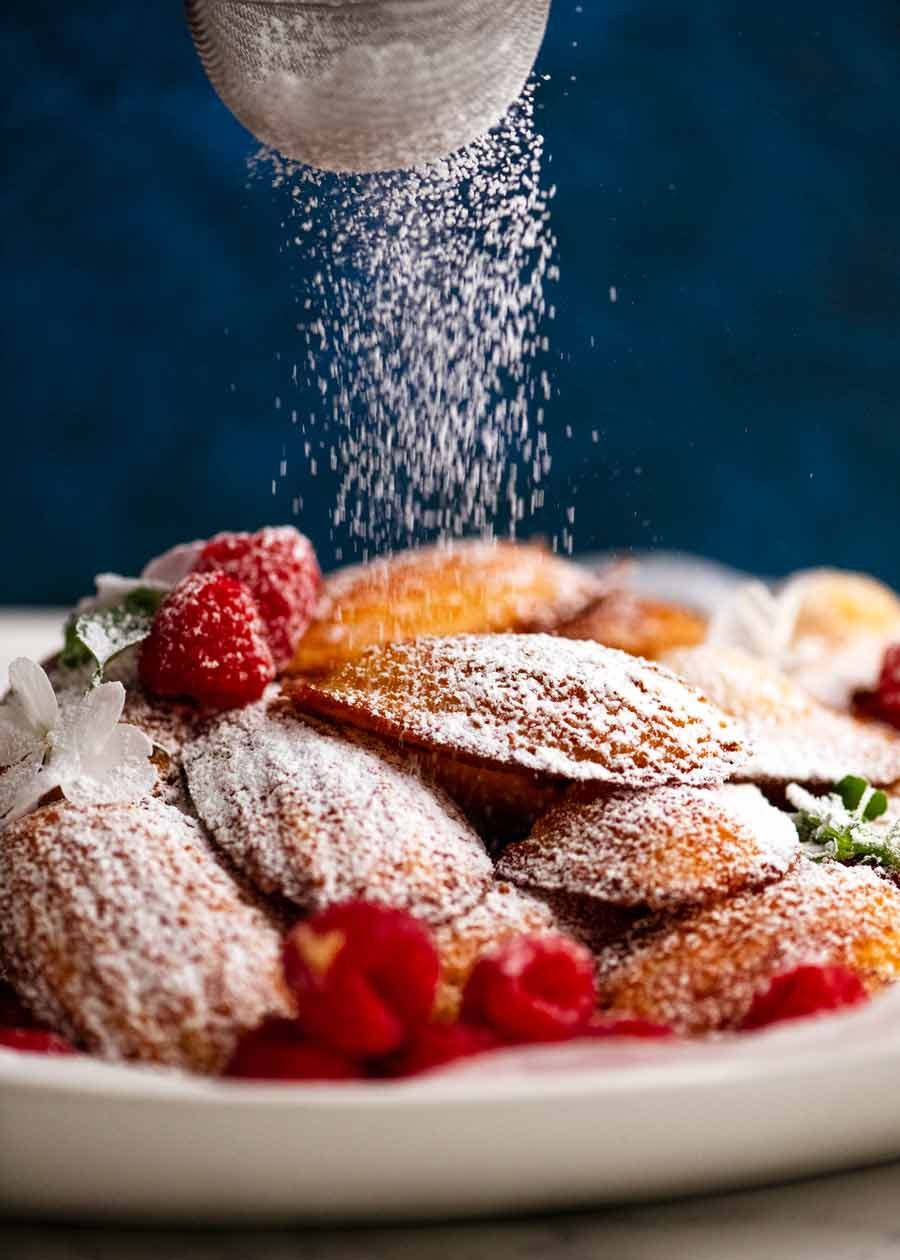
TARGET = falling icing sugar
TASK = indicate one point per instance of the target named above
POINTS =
(422, 338)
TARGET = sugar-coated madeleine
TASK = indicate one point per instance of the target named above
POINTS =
(792, 737)
(459, 588)
(596, 924)
(834, 606)
(665, 850)
(318, 817)
(844, 623)
(559, 707)
(502, 805)
(504, 912)
(121, 930)
(169, 723)
(701, 972)
(644, 627)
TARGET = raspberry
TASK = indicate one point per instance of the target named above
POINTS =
(277, 1051)
(887, 695)
(279, 568)
(365, 977)
(436, 1045)
(534, 988)
(603, 1026)
(207, 642)
(808, 990)
(34, 1041)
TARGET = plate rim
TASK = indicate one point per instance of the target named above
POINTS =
(782, 1053)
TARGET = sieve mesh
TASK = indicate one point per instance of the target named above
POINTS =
(362, 85)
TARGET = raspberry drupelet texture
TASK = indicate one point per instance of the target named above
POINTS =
(804, 991)
(208, 642)
(437, 1045)
(364, 978)
(279, 568)
(887, 696)
(35, 1041)
(278, 1051)
(535, 988)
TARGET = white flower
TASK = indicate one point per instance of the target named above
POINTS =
(112, 588)
(159, 574)
(757, 621)
(75, 744)
(168, 569)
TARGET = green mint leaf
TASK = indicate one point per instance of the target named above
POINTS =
(877, 806)
(851, 790)
(101, 634)
(830, 828)
(854, 790)
(74, 654)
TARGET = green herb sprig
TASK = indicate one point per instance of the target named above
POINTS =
(95, 637)
(841, 826)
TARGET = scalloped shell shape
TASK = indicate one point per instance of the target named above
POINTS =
(502, 805)
(665, 850)
(120, 929)
(793, 738)
(701, 972)
(463, 588)
(318, 817)
(563, 708)
(641, 627)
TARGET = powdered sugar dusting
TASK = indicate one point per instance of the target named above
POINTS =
(121, 930)
(505, 911)
(744, 686)
(702, 972)
(662, 850)
(421, 337)
(567, 708)
(320, 818)
(793, 737)
(168, 723)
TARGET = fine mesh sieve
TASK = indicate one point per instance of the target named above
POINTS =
(364, 85)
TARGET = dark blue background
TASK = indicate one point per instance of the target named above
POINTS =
(732, 168)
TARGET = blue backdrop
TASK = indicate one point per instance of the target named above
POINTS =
(733, 169)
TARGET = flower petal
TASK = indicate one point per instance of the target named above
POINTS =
(174, 564)
(16, 740)
(97, 716)
(22, 787)
(119, 771)
(134, 744)
(32, 692)
(112, 588)
(756, 621)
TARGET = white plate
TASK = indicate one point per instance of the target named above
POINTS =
(555, 1128)
(562, 1128)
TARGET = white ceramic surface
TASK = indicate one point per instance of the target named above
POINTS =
(559, 1128)
(555, 1128)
